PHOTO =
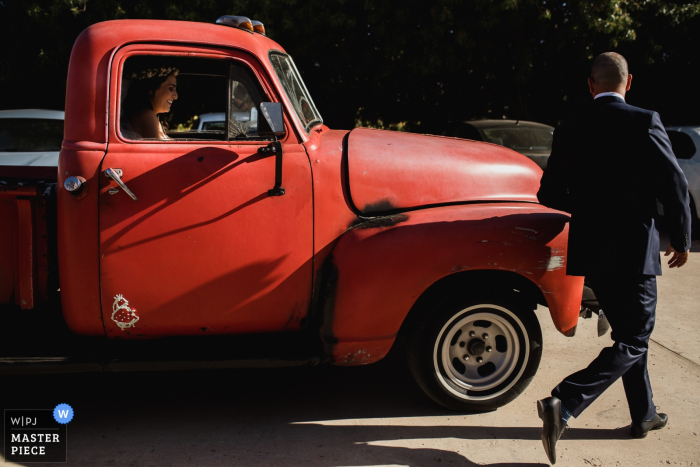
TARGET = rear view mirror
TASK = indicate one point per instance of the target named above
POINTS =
(273, 123)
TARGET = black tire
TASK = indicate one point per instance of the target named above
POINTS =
(441, 335)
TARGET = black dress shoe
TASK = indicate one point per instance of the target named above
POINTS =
(549, 410)
(640, 430)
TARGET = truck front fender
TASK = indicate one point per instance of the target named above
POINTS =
(382, 266)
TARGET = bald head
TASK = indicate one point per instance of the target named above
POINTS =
(609, 73)
(609, 69)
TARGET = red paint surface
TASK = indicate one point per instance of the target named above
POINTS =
(23, 247)
(382, 271)
(13, 192)
(8, 221)
(40, 263)
(361, 352)
(78, 245)
(24, 292)
(205, 249)
(391, 170)
(332, 211)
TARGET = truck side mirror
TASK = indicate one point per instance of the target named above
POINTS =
(273, 123)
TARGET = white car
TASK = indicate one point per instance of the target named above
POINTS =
(217, 120)
(30, 137)
(686, 143)
(211, 121)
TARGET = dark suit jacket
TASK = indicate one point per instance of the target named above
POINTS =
(608, 166)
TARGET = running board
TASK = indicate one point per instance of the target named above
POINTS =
(52, 365)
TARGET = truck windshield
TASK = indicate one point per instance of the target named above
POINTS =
(30, 134)
(296, 90)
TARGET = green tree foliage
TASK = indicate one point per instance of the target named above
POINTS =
(414, 65)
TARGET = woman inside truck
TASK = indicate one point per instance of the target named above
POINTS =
(150, 95)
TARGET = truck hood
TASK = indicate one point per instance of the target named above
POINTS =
(392, 171)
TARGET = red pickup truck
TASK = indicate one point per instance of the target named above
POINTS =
(272, 225)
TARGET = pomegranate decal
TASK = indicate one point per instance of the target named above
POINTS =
(124, 316)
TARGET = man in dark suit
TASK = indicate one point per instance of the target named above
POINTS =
(608, 167)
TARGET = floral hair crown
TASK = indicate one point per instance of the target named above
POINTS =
(153, 72)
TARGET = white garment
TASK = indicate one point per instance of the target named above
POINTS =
(605, 94)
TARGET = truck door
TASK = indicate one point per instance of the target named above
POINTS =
(205, 249)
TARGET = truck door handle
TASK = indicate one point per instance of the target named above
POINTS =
(115, 174)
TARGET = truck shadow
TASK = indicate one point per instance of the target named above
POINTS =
(312, 416)
(186, 175)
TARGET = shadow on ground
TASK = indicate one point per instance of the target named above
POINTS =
(320, 416)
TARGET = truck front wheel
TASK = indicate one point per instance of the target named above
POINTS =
(476, 352)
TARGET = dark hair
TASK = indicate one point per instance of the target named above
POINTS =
(138, 97)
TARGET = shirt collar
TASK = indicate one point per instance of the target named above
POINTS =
(605, 94)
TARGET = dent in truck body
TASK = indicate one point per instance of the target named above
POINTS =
(379, 221)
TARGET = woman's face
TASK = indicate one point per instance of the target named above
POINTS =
(164, 96)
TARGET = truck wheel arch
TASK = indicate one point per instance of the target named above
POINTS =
(383, 273)
(506, 281)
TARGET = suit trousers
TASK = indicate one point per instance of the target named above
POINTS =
(629, 303)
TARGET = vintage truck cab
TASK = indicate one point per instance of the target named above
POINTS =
(269, 223)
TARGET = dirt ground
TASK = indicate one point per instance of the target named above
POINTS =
(376, 415)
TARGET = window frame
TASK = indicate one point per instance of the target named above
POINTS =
(310, 126)
(187, 50)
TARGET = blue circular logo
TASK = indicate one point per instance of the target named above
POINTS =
(63, 413)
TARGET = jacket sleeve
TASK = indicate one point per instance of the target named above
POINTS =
(554, 185)
(671, 184)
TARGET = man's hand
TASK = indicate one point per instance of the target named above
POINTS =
(678, 259)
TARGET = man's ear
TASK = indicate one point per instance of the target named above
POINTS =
(629, 83)
(591, 86)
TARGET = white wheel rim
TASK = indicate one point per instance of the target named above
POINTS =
(499, 369)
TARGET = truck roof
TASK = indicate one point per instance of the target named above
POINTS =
(91, 57)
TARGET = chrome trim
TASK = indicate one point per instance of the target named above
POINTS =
(115, 174)
(74, 184)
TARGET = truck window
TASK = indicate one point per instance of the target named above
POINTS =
(296, 90)
(188, 99)
(246, 96)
